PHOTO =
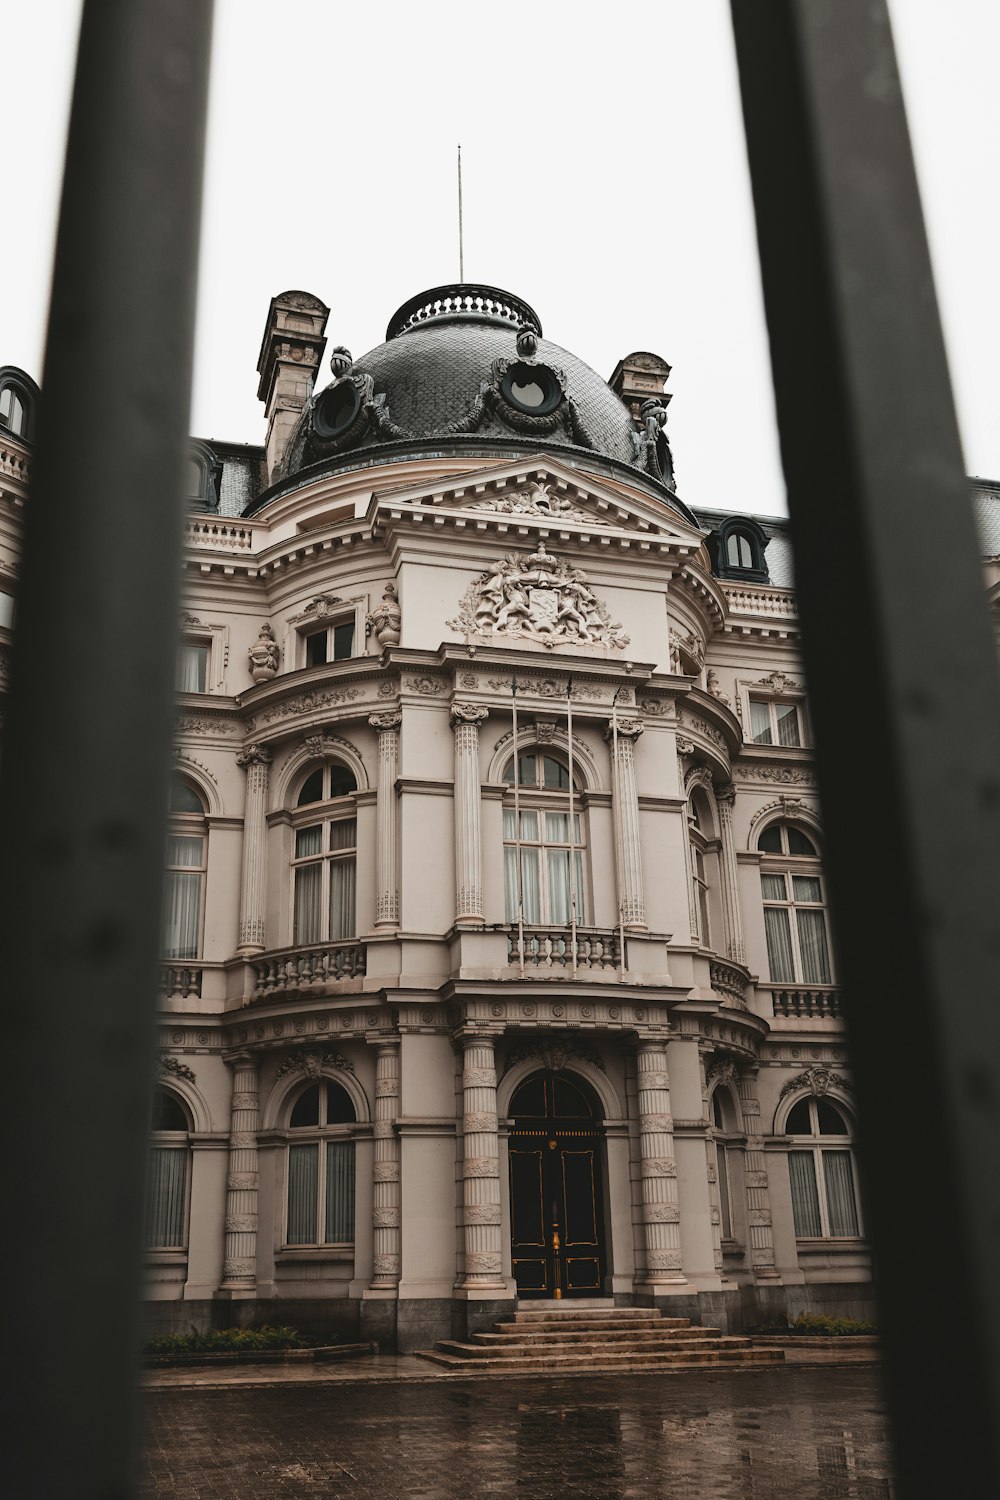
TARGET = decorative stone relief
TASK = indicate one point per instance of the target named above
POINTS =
(538, 500)
(264, 655)
(177, 1068)
(554, 1053)
(712, 687)
(386, 618)
(784, 775)
(539, 598)
(428, 686)
(818, 1081)
(778, 682)
(322, 605)
(311, 1061)
(306, 703)
(791, 807)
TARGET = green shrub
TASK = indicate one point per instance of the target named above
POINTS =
(221, 1340)
(831, 1327)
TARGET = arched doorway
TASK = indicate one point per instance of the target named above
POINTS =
(556, 1201)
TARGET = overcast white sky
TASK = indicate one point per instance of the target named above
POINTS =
(605, 181)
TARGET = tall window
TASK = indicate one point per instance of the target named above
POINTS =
(166, 1175)
(324, 864)
(17, 404)
(184, 885)
(192, 667)
(739, 550)
(332, 643)
(795, 925)
(774, 723)
(547, 843)
(823, 1172)
(321, 1167)
(703, 860)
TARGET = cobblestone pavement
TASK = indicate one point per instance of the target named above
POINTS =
(786, 1434)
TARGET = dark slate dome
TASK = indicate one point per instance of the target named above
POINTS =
(465, 369)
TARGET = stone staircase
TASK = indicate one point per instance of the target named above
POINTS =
(592, 1335)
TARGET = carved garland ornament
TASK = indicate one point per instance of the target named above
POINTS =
(818, 1081)
(538, 500)
(311, 1062)
(539, 598)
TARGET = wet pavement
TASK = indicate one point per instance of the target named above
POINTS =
(798, 1433)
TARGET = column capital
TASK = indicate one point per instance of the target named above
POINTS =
(468, 713)
(254, 755)
(627, 729)
(725, 796)
(387, 721)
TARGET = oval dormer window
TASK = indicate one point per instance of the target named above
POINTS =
(336, 409)
(532, 389)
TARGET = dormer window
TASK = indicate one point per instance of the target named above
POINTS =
(202, 478)
(737, 548)
(18, 403)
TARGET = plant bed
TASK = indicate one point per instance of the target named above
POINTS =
(264, 1345)
(817, 1329)
(828, 1341)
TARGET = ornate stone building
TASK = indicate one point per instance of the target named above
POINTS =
(496, 955)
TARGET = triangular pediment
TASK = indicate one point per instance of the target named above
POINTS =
(540, 494)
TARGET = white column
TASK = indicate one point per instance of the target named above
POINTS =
(658, 1165)
(385, 1173)
(755, 1178)
(625, 804)
(729, 876)
(386, 844)
(256, 761)
(465, 721)
(240, 1264)
(481, 1237)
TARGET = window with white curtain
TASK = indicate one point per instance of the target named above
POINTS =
(795, 921)
(192, 667)
(324, 857)
(722, 1106)
(704, 864)
(550, 853)
(165, 1217)
(823, 1172)
(320, 1204)
(774, 723)
(184, 882)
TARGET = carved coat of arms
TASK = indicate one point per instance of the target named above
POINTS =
(538, 598)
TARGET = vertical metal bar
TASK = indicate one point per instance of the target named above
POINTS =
(517, 828)
(572, 838)
(83, 794)
(902, 670)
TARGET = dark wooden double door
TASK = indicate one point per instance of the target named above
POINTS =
(556, 1211)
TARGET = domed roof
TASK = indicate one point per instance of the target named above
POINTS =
(465, 369)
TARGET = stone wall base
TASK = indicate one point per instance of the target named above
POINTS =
(400, 1326)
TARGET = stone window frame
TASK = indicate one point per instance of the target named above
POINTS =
(817, 1143)
(216, 638)
(352, 610)
(764, 691)
(809, 866)
(174, 1140)
(284, 1136)
(324, 812)
(728, 1140)
(541, 799)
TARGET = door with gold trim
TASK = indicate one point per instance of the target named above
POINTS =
(556, 1212)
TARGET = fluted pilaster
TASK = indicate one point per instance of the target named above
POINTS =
(729, 882)
(386, 842)
(240, 1265)
(660, 1208)
(465, 721)
(385, 1186)
(625, 801)
(755, 1178)
(480, 1166)
(256, 761)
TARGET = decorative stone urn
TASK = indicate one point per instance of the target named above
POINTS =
(385, 619)
(264, 655)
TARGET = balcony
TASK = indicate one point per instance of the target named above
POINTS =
(816, 1001)
(303, 971)
(548, 951)
(180, 980)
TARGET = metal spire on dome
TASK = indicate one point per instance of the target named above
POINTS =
(461, 259)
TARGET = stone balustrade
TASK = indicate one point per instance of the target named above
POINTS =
(816, 1000)
(295, 971)
(748, 601)
(180, 980)
(234, 537)
(729, 982)
(551, 948)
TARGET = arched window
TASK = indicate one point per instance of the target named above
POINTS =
(320, 1209)
(165, 1225)
(202, 477)
(737, 547)
(739, 550)
(184, 886)
(324, 862)
(823, 1171)
(550, 884)
(18, 403)
(724, 1122)
(795, 925)
(704, 863)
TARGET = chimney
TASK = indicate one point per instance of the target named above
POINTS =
(290, 355)
(640, 377)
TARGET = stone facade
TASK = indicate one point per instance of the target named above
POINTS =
(377, 936)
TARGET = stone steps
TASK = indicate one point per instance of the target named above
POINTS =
(604, 1338)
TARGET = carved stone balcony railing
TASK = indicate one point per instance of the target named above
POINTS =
(816, 1000)
(297, 971)
(180, 979)
(233, 536)
(549, 950)
(749, 601)
(730, 981)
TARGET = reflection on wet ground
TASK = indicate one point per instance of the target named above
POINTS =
(780, 1434)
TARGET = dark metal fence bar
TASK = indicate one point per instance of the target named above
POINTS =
(83, 794)
(903, 674)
